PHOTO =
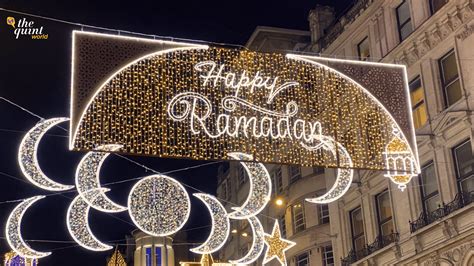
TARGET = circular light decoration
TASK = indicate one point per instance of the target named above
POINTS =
(258, 178)
(159, 205)
(13, 231)
(78, 224)
(258, 243)
(220, 225)
(27, 156)
(344, 175)
(87, 178)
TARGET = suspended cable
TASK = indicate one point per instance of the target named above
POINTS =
(119, 32)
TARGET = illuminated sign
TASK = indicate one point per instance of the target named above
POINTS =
(183, 100)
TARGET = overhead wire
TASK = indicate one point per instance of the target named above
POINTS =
(147, 168)
(118, 31)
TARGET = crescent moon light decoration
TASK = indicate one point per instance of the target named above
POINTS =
(13, 231)
(258, 177)
(29, 162)
(220, 225)
(78, 224)
(87, 178)
(258, 243)
(344, 175)
(159, 205)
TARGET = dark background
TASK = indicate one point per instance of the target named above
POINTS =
(36, 75)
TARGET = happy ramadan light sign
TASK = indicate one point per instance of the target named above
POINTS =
(182, 100)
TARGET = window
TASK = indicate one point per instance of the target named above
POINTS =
(298, 218)
(357, 229)
(436, 5)
(294, 173)
(302, 259)
(363, 49)
(158, 256)
(224, 190)
(418, 106)
(241, 175)
(318, 170)
(282, 223)
(229, 188)
(404, 20)
(464, 162)
(277, 180)
(450, 78)
(429, 188)
(384, 213)
(148, 257)
(328, 256)
(323, 213)
(243, 250)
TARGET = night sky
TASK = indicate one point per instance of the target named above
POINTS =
(36, 74)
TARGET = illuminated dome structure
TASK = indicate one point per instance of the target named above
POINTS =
(152, 250)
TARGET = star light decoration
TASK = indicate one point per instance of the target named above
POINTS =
(276, 246)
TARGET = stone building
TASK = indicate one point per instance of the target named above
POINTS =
(152, 250)
(432, 221)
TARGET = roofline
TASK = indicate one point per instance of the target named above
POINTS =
(259, 29)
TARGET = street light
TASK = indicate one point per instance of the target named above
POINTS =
(279, 202)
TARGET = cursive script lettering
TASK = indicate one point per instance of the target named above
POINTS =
(198, 111)
(214, 74)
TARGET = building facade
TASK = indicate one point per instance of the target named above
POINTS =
(152, 250)
(432, 221)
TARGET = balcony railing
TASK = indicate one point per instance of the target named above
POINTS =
(426, 218)
(379, 243)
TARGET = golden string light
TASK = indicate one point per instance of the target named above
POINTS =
(203, 102)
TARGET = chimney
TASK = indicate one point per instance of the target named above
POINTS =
(320, 18)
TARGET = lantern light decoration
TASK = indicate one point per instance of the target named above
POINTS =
(398, 156)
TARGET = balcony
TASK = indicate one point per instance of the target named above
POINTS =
(379, 243)
(461, 200)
